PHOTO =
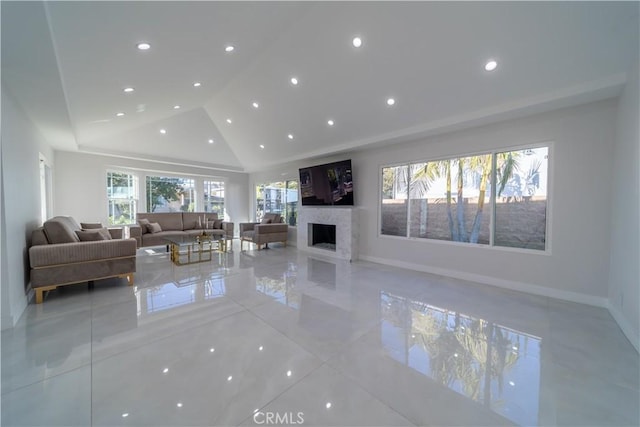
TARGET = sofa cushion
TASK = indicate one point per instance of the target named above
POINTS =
(104, 231)
(90, 235)
(274, 217)
(248, 234)
(38, 237)
(90, 225)
(144, 224)
(265, 221)
(154, 227)
(61, 229)
(167, 220)
(217, 224)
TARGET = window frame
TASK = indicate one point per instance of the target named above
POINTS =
(285, 188)
(224, 192)
(136, 191)
(547, 251)
(198, 188)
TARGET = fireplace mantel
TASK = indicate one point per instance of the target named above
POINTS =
(345, 220)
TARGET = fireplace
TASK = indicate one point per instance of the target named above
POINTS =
(322, 236)
(343, 243)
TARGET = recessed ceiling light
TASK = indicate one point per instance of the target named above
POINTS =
(229, 48)
(294, 81)
(391, 101)
(163, 131)
(330, 122)
(357, 42)
(255, 105)
(128, 89)
(229, 121)
(119, 114)
(262, 146)
(290, 136)
(143, 46)
(197, 84)
(176, 107)
(179, 405)
(491, 65)
(211, 141)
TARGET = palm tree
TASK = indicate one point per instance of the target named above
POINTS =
(427, 173)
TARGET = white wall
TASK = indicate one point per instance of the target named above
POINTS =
(624, 277)
(580, 181)
(21, 144)
(81, 184)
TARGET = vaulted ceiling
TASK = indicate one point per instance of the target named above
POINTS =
(67, 64)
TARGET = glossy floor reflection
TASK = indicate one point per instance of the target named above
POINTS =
(277, 336)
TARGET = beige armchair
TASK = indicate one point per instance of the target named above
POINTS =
(270, 230)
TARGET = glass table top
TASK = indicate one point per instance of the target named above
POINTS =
(190, 239)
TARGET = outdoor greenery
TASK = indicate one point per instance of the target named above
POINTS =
(162, 191)
(464, 189)
(121, 194)
(476, 165)
(279, 197)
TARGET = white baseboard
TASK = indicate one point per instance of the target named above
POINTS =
(10, 320)
(7, 322)
(627, 329)
(494, 281)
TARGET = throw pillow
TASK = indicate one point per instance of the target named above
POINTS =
(90, 225)
(154, 227)
(105, 233)
(89, 235)
(217, 224)
(144, 225)
(266, 221)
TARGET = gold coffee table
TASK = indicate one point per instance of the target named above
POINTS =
(193, 249)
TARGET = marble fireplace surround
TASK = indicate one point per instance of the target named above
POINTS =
(345, 220)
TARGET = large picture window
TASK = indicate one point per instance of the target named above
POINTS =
(168, 194)
(495, 199)
(278, 197)
(122, 196)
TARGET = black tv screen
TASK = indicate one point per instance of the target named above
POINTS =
(327, 185)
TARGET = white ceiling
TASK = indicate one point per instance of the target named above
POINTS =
(66, 63)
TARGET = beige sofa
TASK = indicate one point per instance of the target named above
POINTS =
(58, 256)
(172, 224)
(271, 229)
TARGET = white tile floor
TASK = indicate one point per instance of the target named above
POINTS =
(260, 337)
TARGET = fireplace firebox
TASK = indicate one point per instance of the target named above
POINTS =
(322, 236)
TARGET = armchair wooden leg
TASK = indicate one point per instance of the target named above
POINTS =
(40, 291)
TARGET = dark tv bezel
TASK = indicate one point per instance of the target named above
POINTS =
(326, 166)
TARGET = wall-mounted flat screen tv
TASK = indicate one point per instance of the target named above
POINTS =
(327, 185)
